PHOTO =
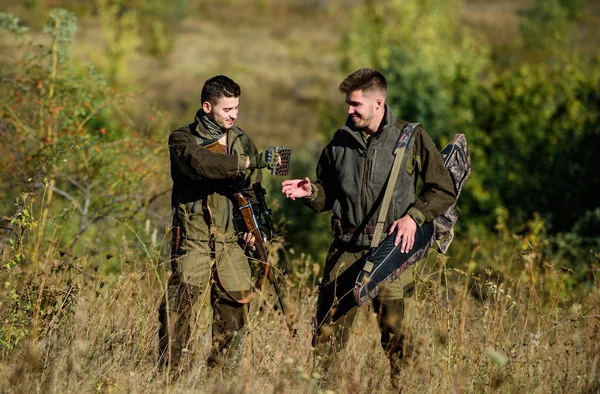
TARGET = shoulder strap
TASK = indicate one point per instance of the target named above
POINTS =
(399, 152)
(245, 143)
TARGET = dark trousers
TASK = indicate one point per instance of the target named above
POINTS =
(176, 318)
(336, 308)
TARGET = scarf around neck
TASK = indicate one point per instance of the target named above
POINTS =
(213, 129)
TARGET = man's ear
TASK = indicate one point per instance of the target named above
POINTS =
(380, 101)
(207, 107)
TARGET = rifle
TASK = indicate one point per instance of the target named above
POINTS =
(246, 220)
(264, 212)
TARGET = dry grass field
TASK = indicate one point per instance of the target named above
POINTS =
(473, 333)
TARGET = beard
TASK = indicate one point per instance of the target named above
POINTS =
(360, 121)
(225, 124)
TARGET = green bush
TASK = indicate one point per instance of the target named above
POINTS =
(80, 172)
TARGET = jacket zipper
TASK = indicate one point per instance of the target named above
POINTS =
(365, 178)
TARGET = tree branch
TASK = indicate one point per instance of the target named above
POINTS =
(64, 194)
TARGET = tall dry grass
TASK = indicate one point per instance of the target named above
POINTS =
(474, 331)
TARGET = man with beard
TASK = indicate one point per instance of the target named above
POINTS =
(210, 158)
(352, 174)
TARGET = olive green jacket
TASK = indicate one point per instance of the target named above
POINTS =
(203, 180)
(352, 175)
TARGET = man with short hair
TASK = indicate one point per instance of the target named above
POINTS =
(352, 174)
(210, 159)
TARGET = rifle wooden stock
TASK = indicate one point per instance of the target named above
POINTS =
(247, 213)
(215, 146)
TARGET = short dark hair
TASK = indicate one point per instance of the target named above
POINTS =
(219, 86)
(365, 79)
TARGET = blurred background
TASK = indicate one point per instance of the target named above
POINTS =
(90, 93)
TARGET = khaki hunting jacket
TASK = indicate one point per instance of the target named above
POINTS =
(202, 181)
(352, 175)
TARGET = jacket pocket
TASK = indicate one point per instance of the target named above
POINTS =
(372, 170)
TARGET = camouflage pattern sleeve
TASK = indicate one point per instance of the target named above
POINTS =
(437, 194)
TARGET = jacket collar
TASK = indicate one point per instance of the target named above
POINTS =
(198, 128)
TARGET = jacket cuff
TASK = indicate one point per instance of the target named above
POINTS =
(242, 162)
(314, 193)
(417, 216)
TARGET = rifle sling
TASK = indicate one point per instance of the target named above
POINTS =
(399, 162)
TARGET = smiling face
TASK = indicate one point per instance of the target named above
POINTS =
(365, 109)
(224, 112)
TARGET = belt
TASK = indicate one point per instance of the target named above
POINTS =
(338, 229)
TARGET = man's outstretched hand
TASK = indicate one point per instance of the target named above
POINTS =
(296, 188)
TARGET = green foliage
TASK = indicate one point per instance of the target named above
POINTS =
(331, 116)
(151, 21)
(546, 25)
(541, 122)
(365, 46)
(67, 133)
(379, 27)
(154, 29)
(121, 32)
(128, 28)
(11, 24)
(578, 249)
(61, 26)
(82, 175)
(16, 311)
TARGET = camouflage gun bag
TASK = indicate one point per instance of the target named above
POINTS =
(385, 263)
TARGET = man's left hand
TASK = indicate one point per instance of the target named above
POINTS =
(406, 228)
(269, 159)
